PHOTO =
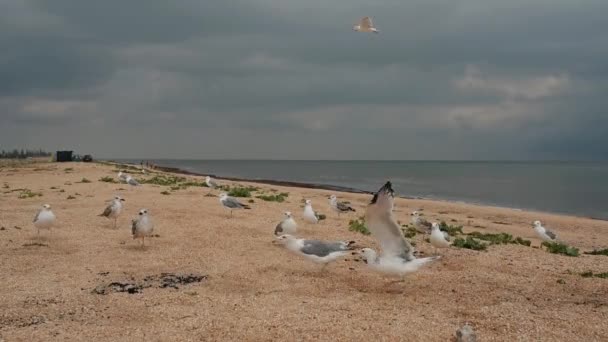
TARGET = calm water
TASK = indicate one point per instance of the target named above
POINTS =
(578, 188)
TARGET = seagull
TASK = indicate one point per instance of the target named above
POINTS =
(309, 215)
(131, 181)
(231, 203)
(114, 209)
(287, 226)
(142, 226)
(466, 334)
(122, 176)
(339, 207)
(421, 225)
(211, 183)
(322, 252)
(543, 233)
(438, 238)
(44, 218)
(397, 256)
(365, 25)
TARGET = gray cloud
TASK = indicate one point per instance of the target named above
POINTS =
(444, 80)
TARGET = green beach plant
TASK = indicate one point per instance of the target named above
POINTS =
(598, 252)
(358, 225)
(560, 248)
(280, 198)
(590, 274)
(107, 179)
(470, 243)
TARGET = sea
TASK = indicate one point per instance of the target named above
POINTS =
(574, 188)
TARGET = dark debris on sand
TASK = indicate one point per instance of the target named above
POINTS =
(162, 281)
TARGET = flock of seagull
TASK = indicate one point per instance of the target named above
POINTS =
(397, 256)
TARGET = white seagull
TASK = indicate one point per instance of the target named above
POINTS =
(287, 226)
(211, 183)
(421, 225)
(309, 215)
(397, 256)
(231, 203)
(113, 210)
(438, 238)
(365, 25)
(339, 207)
(122, 176)
(142, 226)
(322, 252)
(543, 233)
(131, 181)
(44, 218)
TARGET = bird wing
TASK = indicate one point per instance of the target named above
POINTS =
(278, 229)
(446, 236)
(425, 223)
(391, 239)
(366, 22)
(132, 181)
(344, 207)
(37, 215)
(213, 183)
(133, 226)
(322, 248)
(551, 234)
(231, 202)
(107, 211)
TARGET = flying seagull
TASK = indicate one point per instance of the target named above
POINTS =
(339, 207)
(309, 215)
(113, 210)
(142, 226)
(231, 203)
(322, 252)
(543, 233)
(421, 225)
(438, 238)
(287, 226)
(44, 218)
(365, 25)
(397, 256)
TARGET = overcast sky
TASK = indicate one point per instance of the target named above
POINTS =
(287, 79)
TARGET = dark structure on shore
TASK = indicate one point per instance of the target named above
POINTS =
(64, 156)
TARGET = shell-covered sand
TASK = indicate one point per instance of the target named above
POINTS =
(256, 290)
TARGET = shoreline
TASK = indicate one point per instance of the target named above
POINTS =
(329, 187)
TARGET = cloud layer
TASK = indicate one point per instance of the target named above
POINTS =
(290, 80)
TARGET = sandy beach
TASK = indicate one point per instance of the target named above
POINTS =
(253, 290)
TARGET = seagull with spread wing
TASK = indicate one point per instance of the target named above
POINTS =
(365, 25)
(397, 256)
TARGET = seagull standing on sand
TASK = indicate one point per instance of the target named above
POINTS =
(438, 238)
(543, 233)
(397, 256)
(231, 203)
(131, 181)
(309, 215)
(422, 226)
(44, 218)
(122, 176)
(113, 210)
(339, 207)
(142, 226)
(287, 226)
(211, 183)
(365, 25)
(322, 252)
